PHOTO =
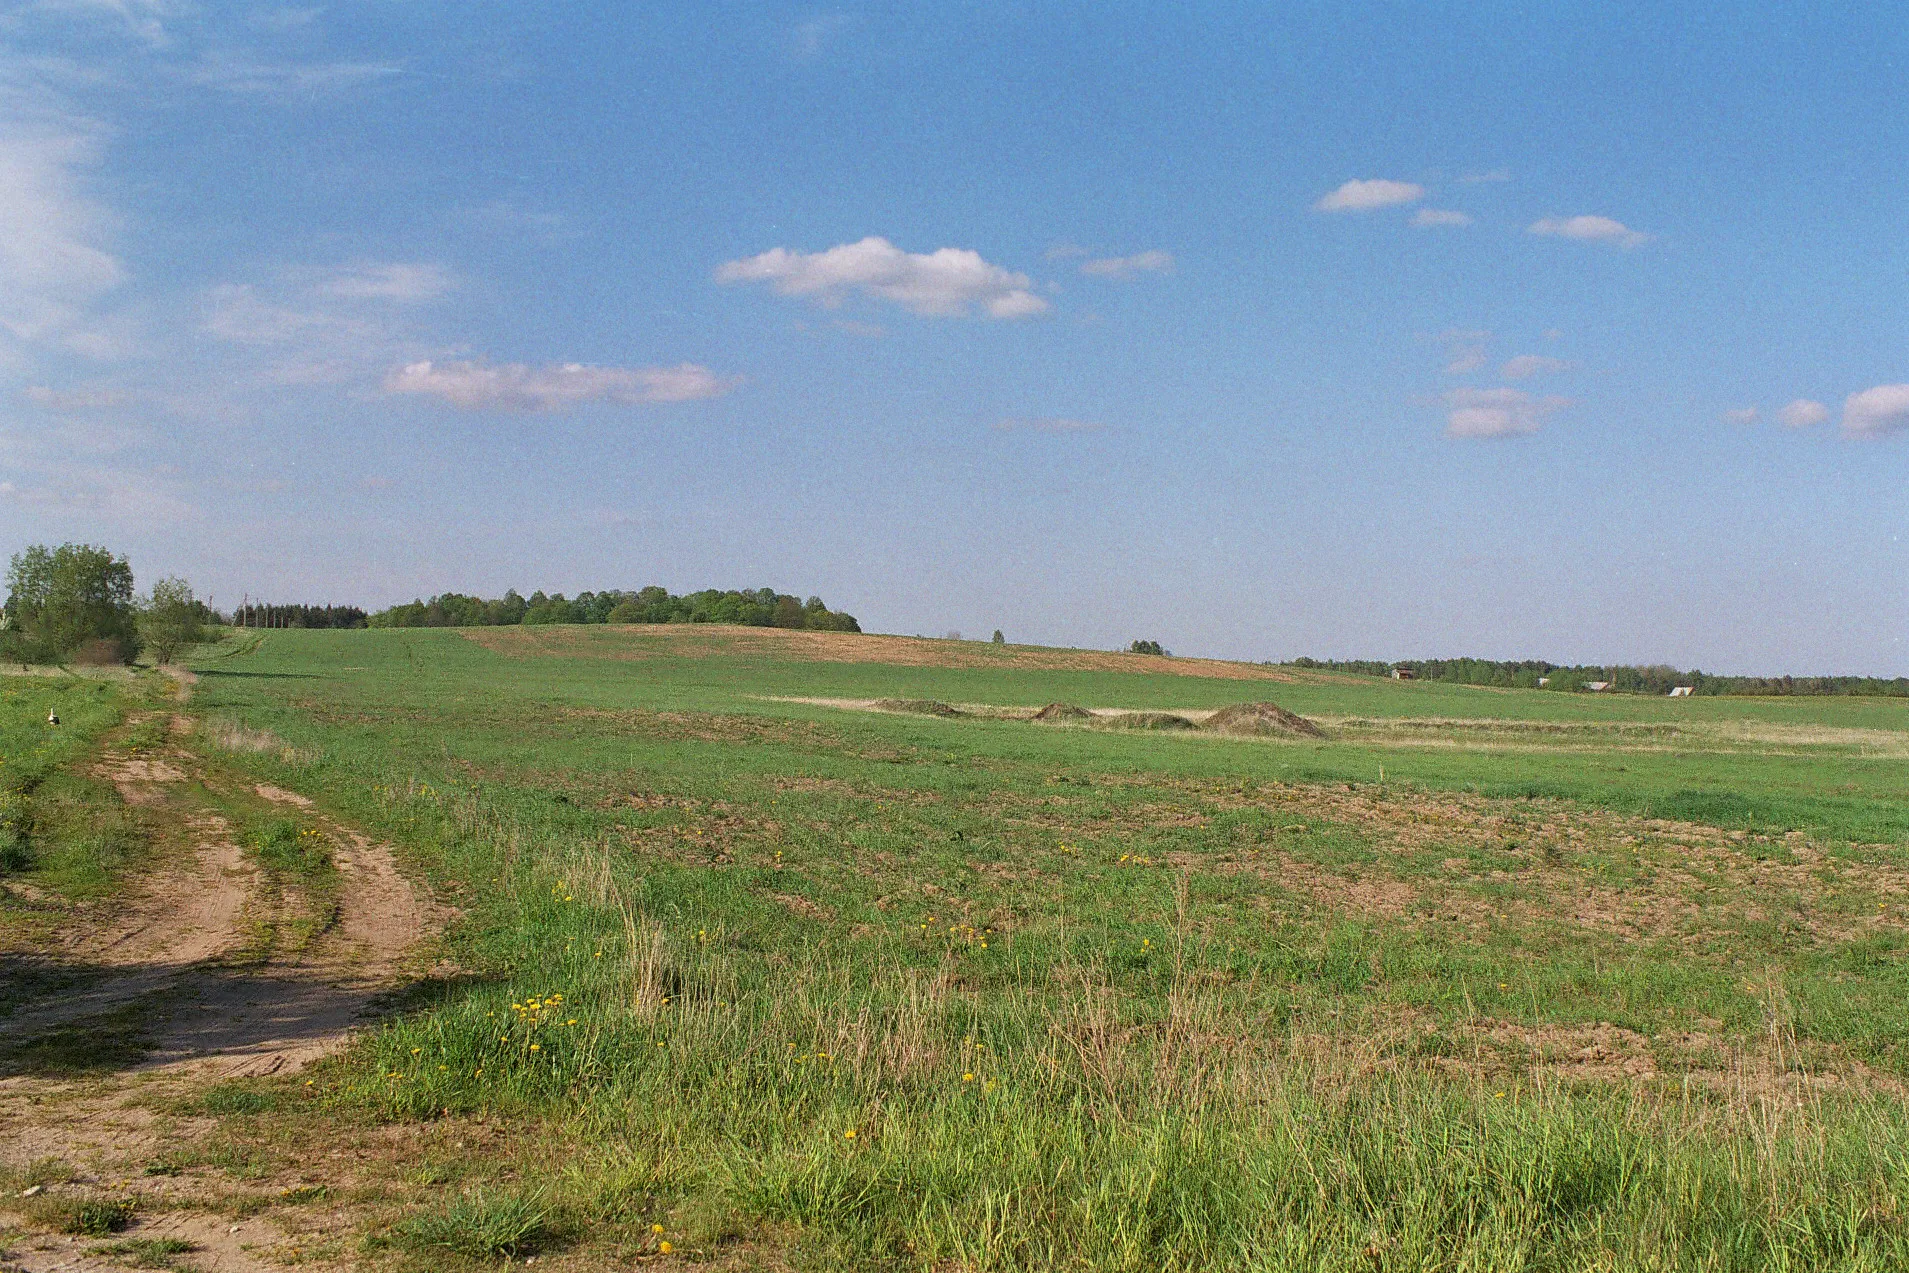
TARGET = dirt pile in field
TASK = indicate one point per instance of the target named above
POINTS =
(920, 706)
(1147, 720)
(1063, 712)
(1261, 720)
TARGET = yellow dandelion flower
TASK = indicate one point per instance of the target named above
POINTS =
(665, 1247)
(849, 1134)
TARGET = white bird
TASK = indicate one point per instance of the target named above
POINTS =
(52, 718)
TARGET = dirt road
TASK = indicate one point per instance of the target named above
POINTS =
(197, 963)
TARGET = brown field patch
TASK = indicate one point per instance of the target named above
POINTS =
(712, 640)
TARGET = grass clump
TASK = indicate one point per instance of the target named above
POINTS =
(86, 1215)
(480, 1224)
(284, 846)
(146, 1253)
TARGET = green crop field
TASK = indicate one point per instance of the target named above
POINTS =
(1481, 980)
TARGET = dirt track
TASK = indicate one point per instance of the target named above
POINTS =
(189, 960)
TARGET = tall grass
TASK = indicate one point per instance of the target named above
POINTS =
(893, 1114)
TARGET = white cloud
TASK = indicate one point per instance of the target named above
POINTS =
(936, 284)
(1497, 413)
(1363, 196)
(1590, 229)
(395, 282)
(1429, 218)
(1150, 262)
(1801, 414)
(1876, 412)
(1525, 366)
(1047, 424)
(1465, 361)
(1464, 350)
(514, 386)
(1742, 415)
(1484, 178)
(1062, 251)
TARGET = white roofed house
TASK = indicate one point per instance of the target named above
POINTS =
(1597, 687)
(1682, 691)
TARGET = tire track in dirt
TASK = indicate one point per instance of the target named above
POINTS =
(180, 948)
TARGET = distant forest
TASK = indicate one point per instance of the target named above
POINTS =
(1623, 680)
(762, 608)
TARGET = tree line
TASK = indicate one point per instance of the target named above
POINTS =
(76, 604)
(1620, 679)
(761, 608)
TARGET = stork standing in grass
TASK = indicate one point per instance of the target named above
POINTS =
(52, 717)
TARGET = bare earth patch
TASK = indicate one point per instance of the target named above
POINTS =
(710, 640)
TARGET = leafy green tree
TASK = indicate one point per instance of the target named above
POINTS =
(61, 598)
(998, 638)
(171, 620)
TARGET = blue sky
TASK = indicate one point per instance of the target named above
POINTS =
(1574, 332)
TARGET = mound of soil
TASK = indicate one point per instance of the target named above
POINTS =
(920, 706)
(1063, 712)
(1146, 720)
(1261, 720)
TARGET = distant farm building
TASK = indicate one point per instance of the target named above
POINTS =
(1682, 691)
(1597, 687)
(1404, 674)
(1543, 681)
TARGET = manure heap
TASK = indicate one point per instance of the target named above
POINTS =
(1261, 720)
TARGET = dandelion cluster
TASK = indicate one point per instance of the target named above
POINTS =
(1135, 859)
(954, 933)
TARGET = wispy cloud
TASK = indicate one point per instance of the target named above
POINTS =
(1464, 350)
(951, 281)
(241, 72)
(1589, 229)
(1436, 218)
(812, 36)
(477, 386)
(402, 282)
(1525, 366)
(1483, 178)
(1803, 413)
(1497, 413)
(56, 259)
(75, 400)
(1150, 262)
(1363, 196)
(1742, 415)
(1877, 412)
(1047, 424)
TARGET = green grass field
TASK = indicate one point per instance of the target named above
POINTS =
(1484, 980)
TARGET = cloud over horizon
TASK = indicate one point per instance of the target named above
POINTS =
(515, 386)
(1877, 412)
(1363, 196)
(1589, 229)
(1122, 267)
(1525, 366)
(1498, 413)
(1801, 414)
(945, 283)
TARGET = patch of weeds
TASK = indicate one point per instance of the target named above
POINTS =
(234, 1098)
(297, 1195)
(482, 1224)
(87, 1215)
(166, 1165)
(145, 1253)
(282, 845)
(49, 1170)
